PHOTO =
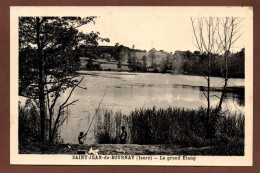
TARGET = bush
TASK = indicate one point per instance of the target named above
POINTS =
(29, 124)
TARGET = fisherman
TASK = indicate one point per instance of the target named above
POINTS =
(123, 135)
(81, 138)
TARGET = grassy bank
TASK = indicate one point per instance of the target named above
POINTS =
(175, 127)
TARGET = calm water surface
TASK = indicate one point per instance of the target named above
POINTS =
(128, 91)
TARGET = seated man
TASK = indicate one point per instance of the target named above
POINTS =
(81, 138)
(123, 135)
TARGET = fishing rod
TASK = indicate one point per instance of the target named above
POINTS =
(95, 114)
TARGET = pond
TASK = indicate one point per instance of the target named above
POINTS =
(128, 91)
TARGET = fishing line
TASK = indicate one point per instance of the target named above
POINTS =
(94, 115)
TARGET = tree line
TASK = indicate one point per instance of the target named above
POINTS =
(180, 62)
(186, 62)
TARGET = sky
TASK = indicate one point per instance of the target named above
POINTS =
(145, 32)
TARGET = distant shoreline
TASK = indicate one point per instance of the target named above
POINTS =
(124, 71)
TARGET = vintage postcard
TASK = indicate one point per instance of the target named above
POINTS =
(131, 86)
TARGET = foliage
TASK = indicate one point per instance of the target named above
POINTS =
(28, 66)
(58, 38)
(108, 127)
(29, 123)
(177, 62)
(186, 62)
(173, 126)
(47, 47)
(135, 65)
(121, 55)
(152, 55)
(181, 62)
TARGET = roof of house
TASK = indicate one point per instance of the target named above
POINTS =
(83, 58)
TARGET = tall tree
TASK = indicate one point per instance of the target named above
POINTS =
(228, 32)
(178, 61)
(122, 54)
(144, 58)
(152, 55)
(216, 36)
(53, 40)
(205, 32)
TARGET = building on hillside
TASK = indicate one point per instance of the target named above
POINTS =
(139, 55)
(102, 64)
(83, 62)
(159, 55)
(106, 56)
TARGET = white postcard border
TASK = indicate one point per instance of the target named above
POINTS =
(37, 159)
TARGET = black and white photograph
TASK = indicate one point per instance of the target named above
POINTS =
(131, 85)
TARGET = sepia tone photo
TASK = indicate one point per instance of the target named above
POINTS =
(131, 85)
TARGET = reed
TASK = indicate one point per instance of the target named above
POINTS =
(108, 126)
(29, 124)
(172, 126)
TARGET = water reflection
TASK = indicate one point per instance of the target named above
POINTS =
(236, 94)
(128, 91)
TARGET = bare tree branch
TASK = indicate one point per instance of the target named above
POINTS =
(69, 104)
(205, 95)
(72, 92)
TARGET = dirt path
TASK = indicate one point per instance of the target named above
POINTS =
(135, 149)
(116, 149)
